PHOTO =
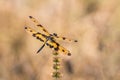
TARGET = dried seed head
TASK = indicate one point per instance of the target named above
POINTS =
(56, 74)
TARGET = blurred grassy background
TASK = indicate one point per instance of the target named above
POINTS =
(94, 23)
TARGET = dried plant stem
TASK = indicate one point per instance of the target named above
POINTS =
(56, 66)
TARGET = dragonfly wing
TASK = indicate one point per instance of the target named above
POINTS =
(38, 35)
(39, 25)
(54, 45)
(63, 38)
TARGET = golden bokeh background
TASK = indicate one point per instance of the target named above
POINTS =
(94, 23)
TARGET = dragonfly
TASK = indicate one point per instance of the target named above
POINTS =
(47, 38)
